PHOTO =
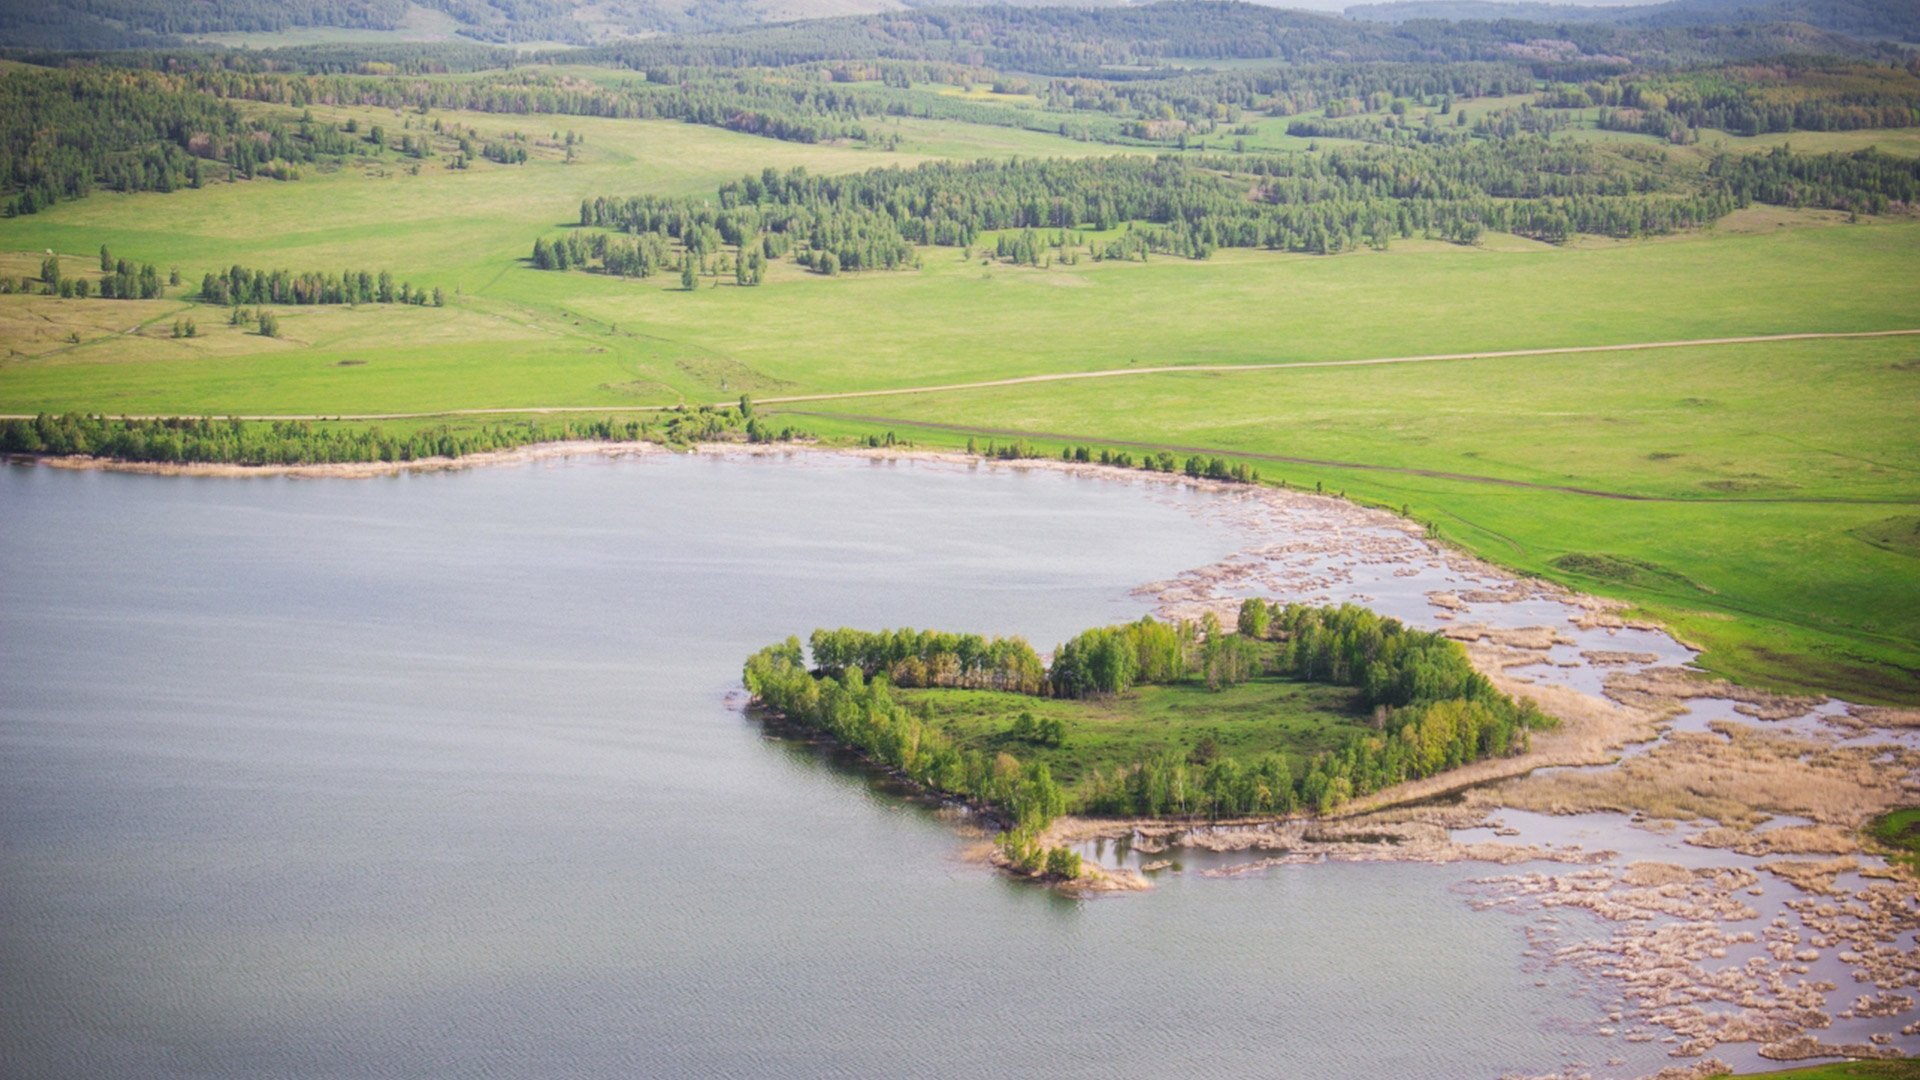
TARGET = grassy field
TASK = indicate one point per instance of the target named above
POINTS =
(1755, 504)
(1770, 481)
(956, 320)
(1242, 722)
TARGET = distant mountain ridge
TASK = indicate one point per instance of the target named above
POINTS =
(1012, 33)
(139, 23)
(1895, 19)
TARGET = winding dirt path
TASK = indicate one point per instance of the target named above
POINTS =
(1065, 376)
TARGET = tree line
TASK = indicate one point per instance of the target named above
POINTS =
(205, 440)
(863, 715)
(241, 285)
(1788, 94)
(1189, 206)
(120, 279)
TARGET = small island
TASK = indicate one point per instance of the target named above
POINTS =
(1295, 711)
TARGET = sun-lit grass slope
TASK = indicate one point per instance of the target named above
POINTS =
(1773, 486)
(624, 342)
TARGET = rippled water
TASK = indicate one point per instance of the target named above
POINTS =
(438, 775)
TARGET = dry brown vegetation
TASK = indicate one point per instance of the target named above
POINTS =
(1737, 775)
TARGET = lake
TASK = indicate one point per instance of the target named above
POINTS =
(447, 774)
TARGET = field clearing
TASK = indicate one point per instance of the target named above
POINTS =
(1243, 722)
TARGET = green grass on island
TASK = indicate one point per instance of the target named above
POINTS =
(1265, 716)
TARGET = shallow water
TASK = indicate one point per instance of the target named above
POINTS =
(438, 774)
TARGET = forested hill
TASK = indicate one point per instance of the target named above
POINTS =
(136, 23)
(1083, 36)
(1895, 19)
(1111, 41)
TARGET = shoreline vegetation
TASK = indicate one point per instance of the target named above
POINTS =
(946, 712)
(183, 444)
(234, 447)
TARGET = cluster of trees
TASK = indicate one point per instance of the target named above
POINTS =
(931, 658)
(1183, 206)
(756, 222)
(65, 132)
(803, 110)
(1043, 731)
(1784, 95)
(862, 713)
(1115, 659)
(650, 253)
(1864, 181)
(1204, 100)
(120, 279)
(505, 151)
(1396, 129)
(1432, 712)
(231, 441)
(241, 285)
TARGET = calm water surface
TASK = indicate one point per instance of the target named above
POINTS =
(438, 775)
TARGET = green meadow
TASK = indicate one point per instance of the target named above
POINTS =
(1111, 734)
(1764, 483)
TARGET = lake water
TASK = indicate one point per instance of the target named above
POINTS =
(440, 774)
